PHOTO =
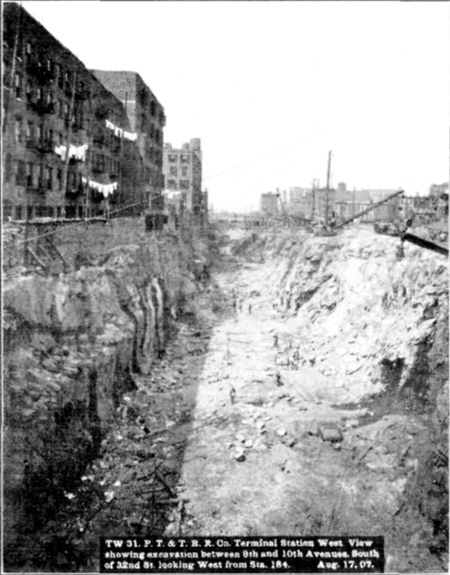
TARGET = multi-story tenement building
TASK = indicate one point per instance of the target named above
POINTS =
(183, 172)
(68, 146)
(147, 119)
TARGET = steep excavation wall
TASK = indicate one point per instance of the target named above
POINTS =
(71, 345)
(378, 326)
(366, 318)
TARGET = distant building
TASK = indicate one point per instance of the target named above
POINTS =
(347, 204)
(147, 120)
(406, 208)
(439, 192)
(182, 169)
(269, 204)
(388, 211)
(300, 202)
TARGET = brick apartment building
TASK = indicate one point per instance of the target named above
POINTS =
(69, 146)
(147, 119)
(183, 173)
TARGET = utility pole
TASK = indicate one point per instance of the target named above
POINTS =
(327, 197)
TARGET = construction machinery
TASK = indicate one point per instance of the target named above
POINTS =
(392, 229)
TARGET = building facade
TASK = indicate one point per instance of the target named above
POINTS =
(69, 147)
(147, 120)
(300, 202)
(269, 204)
(182, 169)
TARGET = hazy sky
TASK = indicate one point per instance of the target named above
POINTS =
(276, 85)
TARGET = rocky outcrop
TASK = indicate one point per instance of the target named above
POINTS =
(378, 325)
(364, 316)
(72, 343)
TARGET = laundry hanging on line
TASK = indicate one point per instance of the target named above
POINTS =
(105, 189)
(120, 132)
(77, 152)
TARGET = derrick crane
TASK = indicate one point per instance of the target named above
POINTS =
(404, 235)
(369, 209)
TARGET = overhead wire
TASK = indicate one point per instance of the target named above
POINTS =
(87, 220)
(273, 152)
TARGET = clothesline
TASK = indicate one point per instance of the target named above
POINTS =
(120, 132)
(77, 152)
(105, 189)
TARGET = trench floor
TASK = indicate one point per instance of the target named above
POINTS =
(224, 439)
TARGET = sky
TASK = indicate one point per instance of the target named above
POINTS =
(272, 87)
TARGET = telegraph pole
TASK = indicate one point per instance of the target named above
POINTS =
(327, 197)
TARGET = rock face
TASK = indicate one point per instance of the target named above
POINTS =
(72, 343)
(383, 313)
(379, 327)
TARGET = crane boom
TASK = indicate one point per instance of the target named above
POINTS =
(369, 209)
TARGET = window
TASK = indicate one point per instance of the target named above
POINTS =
(58, 179)
(29, 134)
(184, 159)
(20, 173)
(18, 83)
(29, 174)
(40, 175)
(38, 133)
(173, 171)
(8, 167)
(49, 178)
(18, 130)
(61, 76)
(28, 48)
(184, 184)
(172, 158)
(184, 172)
(171, 184)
